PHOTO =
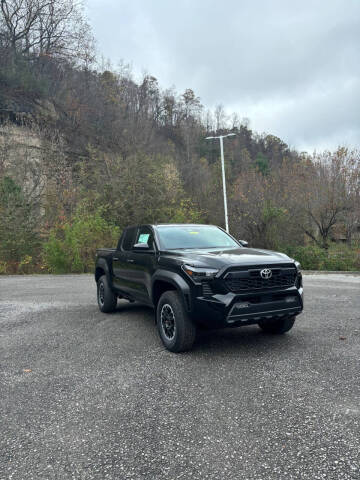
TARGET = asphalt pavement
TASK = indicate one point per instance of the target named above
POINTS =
(86, 395)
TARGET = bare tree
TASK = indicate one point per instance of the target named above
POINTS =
(220, 117)
(45, 27)
(332, 183)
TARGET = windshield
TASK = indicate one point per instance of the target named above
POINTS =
(184, 236)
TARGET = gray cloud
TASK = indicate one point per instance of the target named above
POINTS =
(292, 68)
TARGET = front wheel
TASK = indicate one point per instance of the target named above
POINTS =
(277, 325)
(176, 329)
(107, 300)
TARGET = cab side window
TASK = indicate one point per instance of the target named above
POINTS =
(145, 235)
(129, 237)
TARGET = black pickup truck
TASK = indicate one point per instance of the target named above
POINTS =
(199, 275)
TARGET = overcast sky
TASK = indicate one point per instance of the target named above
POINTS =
(292, 67)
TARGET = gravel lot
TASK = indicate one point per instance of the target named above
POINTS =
(85, 395)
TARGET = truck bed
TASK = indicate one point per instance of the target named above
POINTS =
(105, 252)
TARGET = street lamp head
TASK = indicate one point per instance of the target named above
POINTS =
(231, 135)
(209, 138)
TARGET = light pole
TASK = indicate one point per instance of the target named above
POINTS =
(221, 137)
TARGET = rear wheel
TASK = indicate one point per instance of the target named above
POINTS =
(107, 300)
(176, 329)
(277, 325)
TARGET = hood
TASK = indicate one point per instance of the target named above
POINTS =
(219, 258)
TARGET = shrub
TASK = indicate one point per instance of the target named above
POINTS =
(18, 74)
(336, 258)
(3, 267)
(342, 257)
(71, 246)
(311, 257)
(18, 226)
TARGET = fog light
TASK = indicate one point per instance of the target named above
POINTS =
(242, 305)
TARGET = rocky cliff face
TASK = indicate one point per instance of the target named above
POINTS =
(29, 154)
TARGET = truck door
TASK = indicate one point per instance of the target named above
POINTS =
(122, 263)
(141, 265)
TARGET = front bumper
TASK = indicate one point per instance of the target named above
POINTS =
(231, 310)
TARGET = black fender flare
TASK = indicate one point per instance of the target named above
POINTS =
(102, 263)
(177, 281)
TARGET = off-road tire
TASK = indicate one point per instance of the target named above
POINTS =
(171, 305)
(278, 325)
(107, 300)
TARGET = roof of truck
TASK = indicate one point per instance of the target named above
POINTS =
(154, 225)
(182, 225)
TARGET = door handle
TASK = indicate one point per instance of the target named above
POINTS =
(130, 260)
(115, 258)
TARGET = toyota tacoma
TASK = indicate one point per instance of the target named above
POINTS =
(199, 275)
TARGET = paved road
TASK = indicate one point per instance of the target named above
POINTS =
(86, 395)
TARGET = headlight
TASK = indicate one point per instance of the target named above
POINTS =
(298, 281)
(199, 273)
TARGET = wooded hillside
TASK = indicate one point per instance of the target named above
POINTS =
(87, 150)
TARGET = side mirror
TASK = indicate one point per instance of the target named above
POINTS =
(141, 246)
(244, 243)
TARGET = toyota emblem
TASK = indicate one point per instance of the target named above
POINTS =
(266, 273)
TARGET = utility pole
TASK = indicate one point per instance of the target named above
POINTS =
(221, 137)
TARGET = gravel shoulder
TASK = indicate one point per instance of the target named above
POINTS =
(84, 395)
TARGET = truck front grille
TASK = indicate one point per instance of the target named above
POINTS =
(248, 280)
